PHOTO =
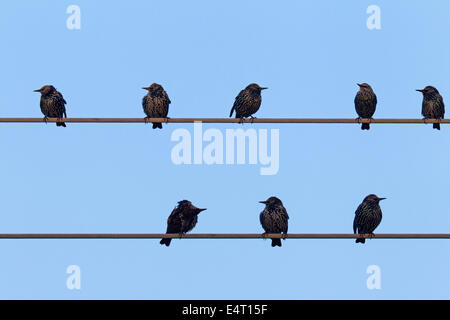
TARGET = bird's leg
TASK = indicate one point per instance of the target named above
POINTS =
(146, 119)
(264, 235)
(359, 119)
(45, 119)
(241, 121)
(181, 235)
(284, 235)
(253, 118)
(371, 235)
(167, 119)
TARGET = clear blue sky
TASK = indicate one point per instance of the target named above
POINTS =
(113, 178)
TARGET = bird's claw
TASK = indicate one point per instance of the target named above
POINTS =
(167, 119)
(45, 119)
(146, 120)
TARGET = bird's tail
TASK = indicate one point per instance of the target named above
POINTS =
(361, 240)
(60, 124)
(276, 242)
(231, 112)
(165, 241)
(365, 126)
(157, 125)
(436, 126)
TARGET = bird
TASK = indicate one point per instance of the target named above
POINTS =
(247, 102)
(365, 103)
(52, 104)
(367, 216)
(274, 218)
(182, 219)
(156, 103)
(432, 105)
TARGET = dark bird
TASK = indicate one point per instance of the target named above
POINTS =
(274, 218)
(432, 105)
(182, 219)
(247, 102)
(365, 103)
(367, 216)
(52, 104)
(156, 103)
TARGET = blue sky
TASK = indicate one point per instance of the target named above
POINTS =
(119, 178)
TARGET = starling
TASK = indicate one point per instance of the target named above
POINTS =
(182, 219)
(52, 104)
(247, 102)
(274, 218)
(432, 105)
(365, 103)
(367, 216)
(156, 103)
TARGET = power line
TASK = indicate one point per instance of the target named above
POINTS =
(221, 236)
(225, 120)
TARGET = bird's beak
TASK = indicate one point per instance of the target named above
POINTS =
(200, 210)
(379, 199)
(359, 85)
(420, 90)
(265, 202)
(37, 90)
(264, 88)
(145, 88)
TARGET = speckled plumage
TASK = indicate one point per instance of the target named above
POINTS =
(432, 105)
(52, 104)
(367, 216)
(274, 218)
(182, 219)
(365, 103)
(247, 101)
(156, 103)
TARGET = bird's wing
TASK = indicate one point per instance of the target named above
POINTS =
(144, 101)
(166, 96)
(441, 104)
(237, 102)
(232, 109)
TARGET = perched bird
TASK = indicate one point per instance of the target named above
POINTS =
(432, 105)
(182, 219)
(247, 101)
(367, 216)
(52, 104)
(156, 103)
(274, 218)
(365, 103)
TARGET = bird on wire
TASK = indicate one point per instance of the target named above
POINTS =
(432, 105)
(156, 103)
(274, 218)
(367, 216)
(365, 103)
(182, 219)
(52, 104)
(247, 102)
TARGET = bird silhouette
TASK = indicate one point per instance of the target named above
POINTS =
(274, 218)
(432, 105)
(365, 103)
(247, 102)
(52, 104)
(367, 216)
(182, 219)
(156, 103)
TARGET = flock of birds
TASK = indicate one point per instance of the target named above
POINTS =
(156, 103)
(274, 218)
